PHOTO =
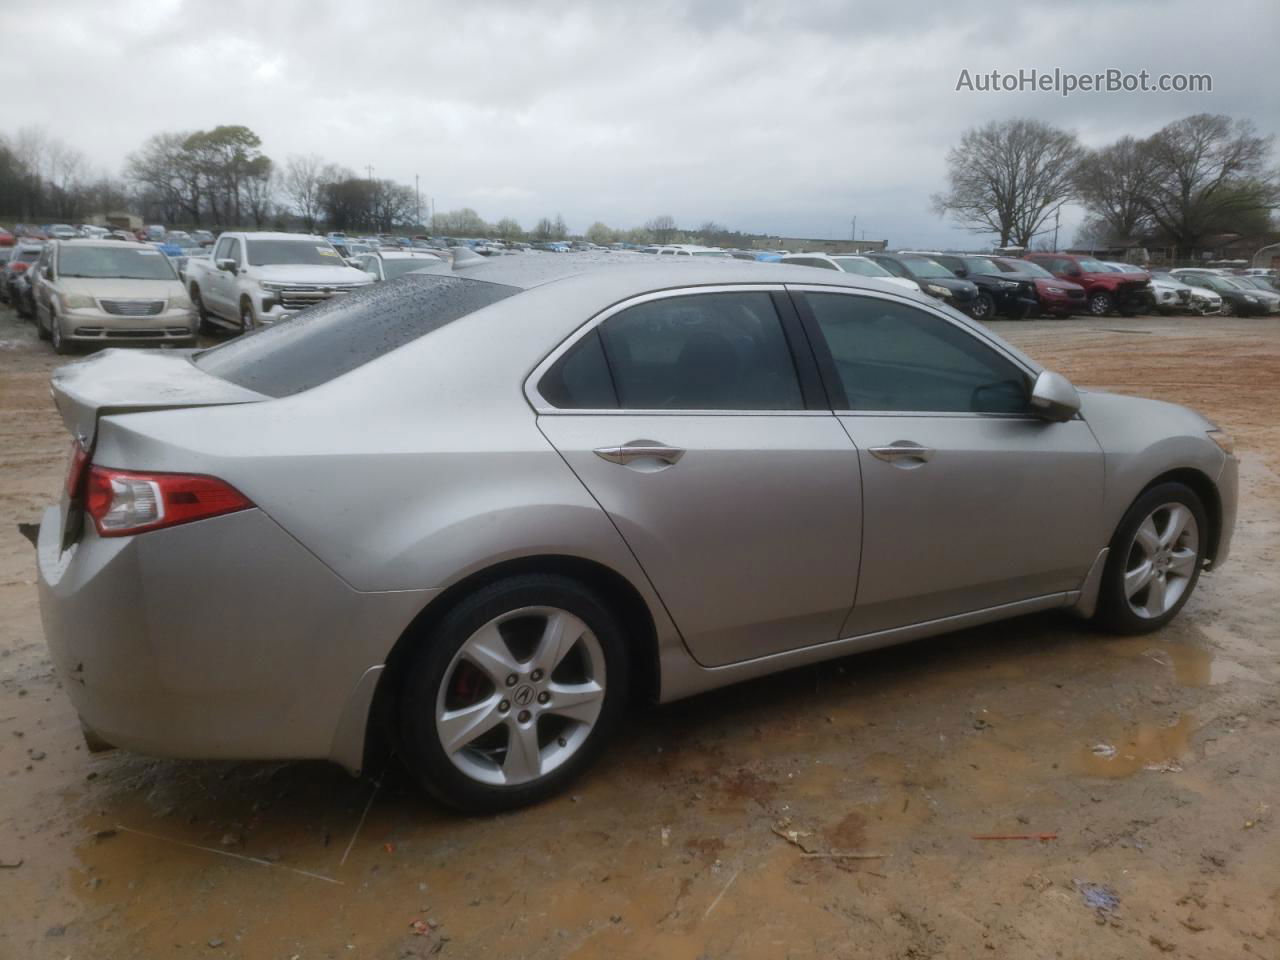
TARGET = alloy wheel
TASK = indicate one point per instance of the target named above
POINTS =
(521, 696)
(1162, 560)
(1099, 305)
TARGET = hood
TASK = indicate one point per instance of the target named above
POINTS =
(115, 288)
(1096, 404)
(309, 273)
(902, 282)
(1173, 285)
(1117, 277)
(1067, 285)
(952, 283)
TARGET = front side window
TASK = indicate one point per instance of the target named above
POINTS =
(713, 351)
(892, 357)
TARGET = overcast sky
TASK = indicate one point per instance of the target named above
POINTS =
(772, 116)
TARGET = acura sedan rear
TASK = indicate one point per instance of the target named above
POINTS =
(488, 506)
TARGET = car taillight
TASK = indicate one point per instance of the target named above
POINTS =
(77, 472)
(124, 502)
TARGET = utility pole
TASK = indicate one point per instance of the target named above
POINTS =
(853, 229)
(417, 201)
(369, 168)
(1057, 219)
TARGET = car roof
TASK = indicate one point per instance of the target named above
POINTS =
(418, 254)
(621, 275)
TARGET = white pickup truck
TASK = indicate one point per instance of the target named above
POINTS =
(263, 278)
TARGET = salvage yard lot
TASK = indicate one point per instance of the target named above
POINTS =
(709, 828)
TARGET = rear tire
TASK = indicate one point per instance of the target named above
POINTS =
(247, 320)
(1154, 562)
(482, 661)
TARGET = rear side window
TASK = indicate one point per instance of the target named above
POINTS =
(711, 351)
(891, 356)
(580, 380)
(336, 337)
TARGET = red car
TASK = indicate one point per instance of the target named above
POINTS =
(1105, 290)
(1058, 298)
(6, 238)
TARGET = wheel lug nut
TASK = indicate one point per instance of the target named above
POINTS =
(511, 680)
(523, 716)
(536, 676)
(504, 706)
(544, 697)
(562, 741)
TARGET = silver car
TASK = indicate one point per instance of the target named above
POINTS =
(477, 510)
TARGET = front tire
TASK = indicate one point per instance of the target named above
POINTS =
(1155, 559)
(514, 694)
(203, 323)
(1228, 308)
(984, 307)
(1100, 304)
(247, 320)
(61, 346)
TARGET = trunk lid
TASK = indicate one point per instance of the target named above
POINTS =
(125, 381)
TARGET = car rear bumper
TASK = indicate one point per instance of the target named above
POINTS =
(223, 638)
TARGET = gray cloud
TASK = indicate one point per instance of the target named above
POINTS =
(790, 118)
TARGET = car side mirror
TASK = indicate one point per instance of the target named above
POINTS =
(1073, 271)
(353, 262)
(961, 272)
(228, 265)
(1054, 398)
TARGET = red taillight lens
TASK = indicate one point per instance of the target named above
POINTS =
(77, 471)
(124, 502)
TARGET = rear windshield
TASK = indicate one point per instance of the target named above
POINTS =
(336, 337)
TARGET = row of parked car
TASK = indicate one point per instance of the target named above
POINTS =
(109, 288)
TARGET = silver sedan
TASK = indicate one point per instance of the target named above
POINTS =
(475, 510)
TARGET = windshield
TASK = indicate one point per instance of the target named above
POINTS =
(982, 267)
(265, 252)
(1025, 267)
(862, 267)
(923, 267)
(1089, 265)
(339, 335)
(398, 268)
(101, 263)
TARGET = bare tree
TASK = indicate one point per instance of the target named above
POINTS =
(662, 228)
(601, 233)
(302, 180)
(1114, 185)
(711, 233)
(508, 229)
(1007, 178)
(1208, 175)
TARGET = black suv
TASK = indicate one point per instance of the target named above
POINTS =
(998, 292)
(932, 277)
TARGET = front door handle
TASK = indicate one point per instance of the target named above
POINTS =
(902, 450)
(638, 450)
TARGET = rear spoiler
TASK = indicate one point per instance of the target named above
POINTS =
(133, 381)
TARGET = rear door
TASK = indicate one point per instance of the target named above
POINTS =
(970, 501)
(696, 420)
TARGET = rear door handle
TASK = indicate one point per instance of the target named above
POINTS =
(902, 450)
(638, 450)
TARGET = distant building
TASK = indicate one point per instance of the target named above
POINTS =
(118, 220)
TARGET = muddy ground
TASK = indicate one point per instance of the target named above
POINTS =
(702, 832)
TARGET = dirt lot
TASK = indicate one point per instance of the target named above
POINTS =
(690, 839)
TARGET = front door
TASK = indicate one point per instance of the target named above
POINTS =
(737, 491)
(970, 502)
